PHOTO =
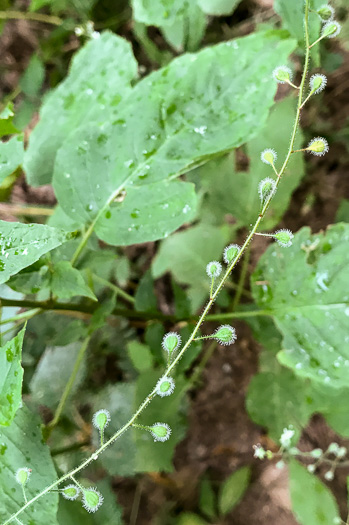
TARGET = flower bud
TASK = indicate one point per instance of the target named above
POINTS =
(311, 469)
(23, 475)
(333, 448)
(341, 452)
(213, 269)
(92, 499)
(101, 419)
(318, 146)
(331, 29)
(225, 334)
(284, 238)
(329, 475)
(160, 431)
(165, 386)
(171, 342)
(269, 156)
(231, 252)
(266, 188)
(70, 492)
(326, 12)
(317, 83)
(316, 453)
(282, 74)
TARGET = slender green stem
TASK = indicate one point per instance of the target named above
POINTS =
(212, 283)
(22, 316)
(24, 494)
(115, 288)
(68, 387)
(37, 17)
(233, 263)
(242, 278)
(16, 209)
(77, 483)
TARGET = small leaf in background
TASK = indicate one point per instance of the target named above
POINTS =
(67, 282)
(189, 518)
(218, 7)
(140, 355)
(207, 499)
(53, 372)
(312, 502)
(16, 452)
(138, 157)
(11, 378)
(188, 29)
(23, 244)
(158, 12)
(6, 118)
(233, 489)
(11, 156)
(33, 77)
(343, 211)
(99, 77)
(145, 296)
(311, 308)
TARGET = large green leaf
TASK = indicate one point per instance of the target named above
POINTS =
(99, 78)
(196, 107)
(218, 7)
(11, 156)
(21, 445)
(158, 12)
(23, 244)
(312, 502)
(305, 286)
(11, 378)
(236, 193)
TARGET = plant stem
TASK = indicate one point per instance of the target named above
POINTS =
(233, 263)
(37, 17)
(68, 387)
(21, 317)
(16, 209)
(115, 288)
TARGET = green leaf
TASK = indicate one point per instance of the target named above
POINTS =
(53, 372)
(207, 502)
(145, 296)
(189, 518)
(21, 445)
(187, 30)
(233, 489)
(221, 182)
(11, 156)
(218, 7)
(304, 287)
(99, 77)
(66, 282)
(23, 244)
(278, 399)
(11, 379)
(33, 77)
(312, 502)
(214, 113)
(343, 211)
(140, 356)
(6, 118)
(158, 12)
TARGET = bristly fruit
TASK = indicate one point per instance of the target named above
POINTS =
(101, 419)
(165, 386)
(225, 335)
(317, 83)
(318, 146)
(326, 12)
(231, 252)
(171, 342)
(70, 492)
(92, 499)
(214, 269)
(269, 156)
(282, 74)
(266, 188)
(331, 29)
(284, 238)
(23, 475)
(160, 431)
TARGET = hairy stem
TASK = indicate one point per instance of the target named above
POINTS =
(212, 299)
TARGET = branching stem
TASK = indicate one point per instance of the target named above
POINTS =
(170, 367)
